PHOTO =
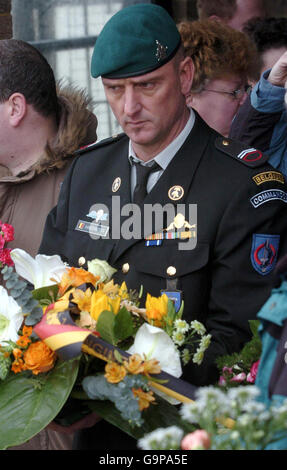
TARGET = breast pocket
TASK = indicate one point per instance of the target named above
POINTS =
(170, 262)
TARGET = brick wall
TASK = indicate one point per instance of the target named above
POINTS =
(5, 19)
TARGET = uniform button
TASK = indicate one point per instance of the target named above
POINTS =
(125, 268)
(81, 261)
(171, 270)
(225, 142)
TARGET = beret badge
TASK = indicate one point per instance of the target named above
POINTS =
(161, 51)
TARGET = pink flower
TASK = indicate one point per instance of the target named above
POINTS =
(222, 381)
(2, 241)
(5, 257)
(197, 440)
(253, 372)
(8, 232)
(239, 377)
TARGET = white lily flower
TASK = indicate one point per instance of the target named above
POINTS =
(155, 343)
(11, 317)
(40, 271)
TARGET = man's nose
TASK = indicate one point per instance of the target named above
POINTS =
(131, 102)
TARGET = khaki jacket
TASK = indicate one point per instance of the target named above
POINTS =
(26, 199)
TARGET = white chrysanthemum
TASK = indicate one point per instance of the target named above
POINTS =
(191, 412)
(11, 317)
(162, 438)
(198, 327)
(198, 356)
(204, 342)
(243, 394)
(40, 271)
(178, 337)
(181, 325)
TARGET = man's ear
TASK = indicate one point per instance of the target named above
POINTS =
(17, 108)
(186, 74)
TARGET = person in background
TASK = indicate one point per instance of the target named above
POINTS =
(270, 37)
(225, 61)
(40, 129)
(262, 122)
(234, 13)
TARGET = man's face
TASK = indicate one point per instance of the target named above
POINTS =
(246, 9)
(150, 108)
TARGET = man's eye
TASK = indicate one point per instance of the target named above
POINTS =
(147, 85)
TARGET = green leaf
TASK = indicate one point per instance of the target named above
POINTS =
(26, 409)
(105, 326)
(46, 293)
(123, 325)
(254, 325)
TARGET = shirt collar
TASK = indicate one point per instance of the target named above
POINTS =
(166, 155)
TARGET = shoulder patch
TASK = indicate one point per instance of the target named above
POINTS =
(248, 156)
(101, 143)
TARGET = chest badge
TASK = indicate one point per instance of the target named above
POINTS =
(116, 184)
(175, 193)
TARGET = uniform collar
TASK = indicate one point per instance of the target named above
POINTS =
(164, 158)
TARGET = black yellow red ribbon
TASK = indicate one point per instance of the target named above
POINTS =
(62, 335)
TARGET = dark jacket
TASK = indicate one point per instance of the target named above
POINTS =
(220, 285)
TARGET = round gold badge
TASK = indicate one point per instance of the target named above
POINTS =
(175, 193)
(116, 184)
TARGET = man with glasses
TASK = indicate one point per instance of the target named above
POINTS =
(224, 273)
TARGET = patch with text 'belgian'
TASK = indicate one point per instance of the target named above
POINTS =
(266, 176)
(268, 195)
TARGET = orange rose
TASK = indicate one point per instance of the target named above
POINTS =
(114, 372)
(39, 358)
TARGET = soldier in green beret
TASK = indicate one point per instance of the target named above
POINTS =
(223, 268)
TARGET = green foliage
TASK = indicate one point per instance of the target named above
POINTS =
(115, 328)
(28, 404)
(20, 291)
(243, 360)
(98, 388)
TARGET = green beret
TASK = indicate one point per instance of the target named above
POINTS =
(136, 40)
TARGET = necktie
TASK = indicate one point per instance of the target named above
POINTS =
(142, 172)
